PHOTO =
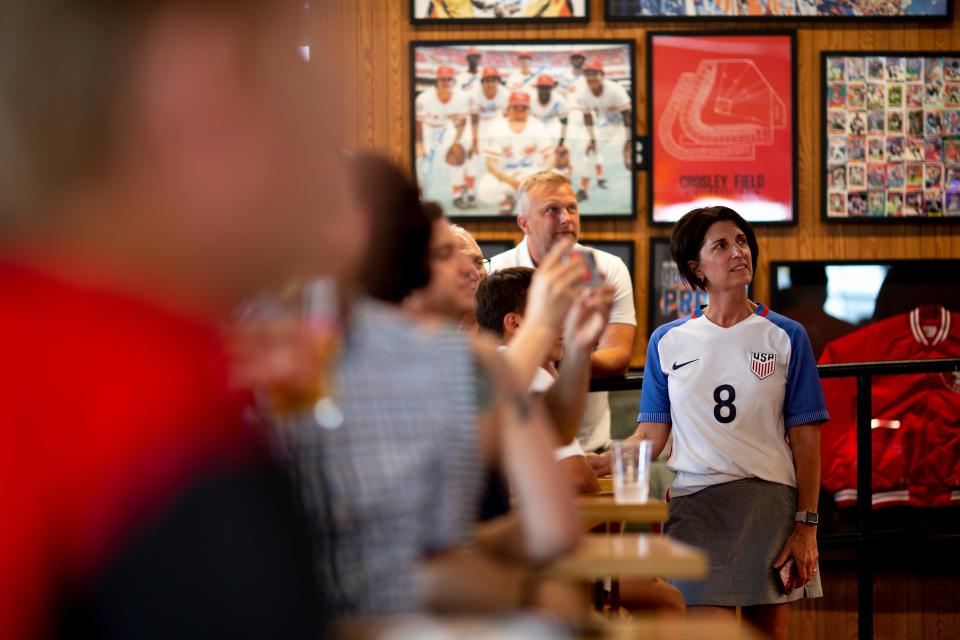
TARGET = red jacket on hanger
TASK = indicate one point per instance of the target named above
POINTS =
(916, 418)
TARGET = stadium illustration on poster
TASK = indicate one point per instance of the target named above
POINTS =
(486, 114)
(778, 9)
(721, 124)
(486, 11)
(891, 135)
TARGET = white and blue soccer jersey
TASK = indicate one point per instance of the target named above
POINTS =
(730, 395)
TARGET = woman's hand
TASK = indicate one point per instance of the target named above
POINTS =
(802, 547)
(599, 462)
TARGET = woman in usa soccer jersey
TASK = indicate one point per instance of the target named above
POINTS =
(736, 384)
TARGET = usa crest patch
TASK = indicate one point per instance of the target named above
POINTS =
(762, 364)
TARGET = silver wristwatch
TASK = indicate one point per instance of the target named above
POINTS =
(807, 517)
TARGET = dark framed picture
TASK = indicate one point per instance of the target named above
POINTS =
(490, 248)
(833, 298)
(780, 10)
(623, 249)
(489, 113)
(497, 11)
(721, 115)
(669, 297)
(890, 136)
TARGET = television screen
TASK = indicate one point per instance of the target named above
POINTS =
(833, 298)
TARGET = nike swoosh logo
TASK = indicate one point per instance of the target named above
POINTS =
(678, 366)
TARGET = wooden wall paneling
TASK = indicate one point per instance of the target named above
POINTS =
(366, 42)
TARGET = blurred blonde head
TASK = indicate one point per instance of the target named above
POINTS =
(181, 140)
(470, 248)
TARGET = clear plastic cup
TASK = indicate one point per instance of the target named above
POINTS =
(631, 471)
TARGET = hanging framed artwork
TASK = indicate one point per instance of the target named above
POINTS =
(780, 10)
(486, 114)
(890, 136)
(721, 122)
(498, 11)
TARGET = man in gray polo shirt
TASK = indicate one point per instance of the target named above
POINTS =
(547, 211)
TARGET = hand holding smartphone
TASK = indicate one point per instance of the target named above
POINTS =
(590, 277)
(787, 576)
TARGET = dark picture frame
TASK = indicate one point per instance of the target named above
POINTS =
(676, 11)
(890, 136)
(491, 248)
(718, 123)
(420, 11)
(626, 250)
(603, 175)
(668, 296)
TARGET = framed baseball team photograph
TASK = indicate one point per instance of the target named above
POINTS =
(890, 136)
(489, 113)
(721, 121)
(801, 10)
(493, 11)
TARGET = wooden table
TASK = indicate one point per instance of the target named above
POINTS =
(602, 507)
(631, 555)
(648, 627)
(675, 628)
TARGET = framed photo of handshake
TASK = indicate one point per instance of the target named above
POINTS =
(487, 114)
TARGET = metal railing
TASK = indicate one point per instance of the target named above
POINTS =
(864, 372)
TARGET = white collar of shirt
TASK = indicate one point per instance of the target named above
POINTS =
(523, 254)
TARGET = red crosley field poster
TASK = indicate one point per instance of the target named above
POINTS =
(722, 125)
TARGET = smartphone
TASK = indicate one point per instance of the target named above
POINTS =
(787, 576)
(590, 277)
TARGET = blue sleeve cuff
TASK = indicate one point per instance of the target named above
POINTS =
(807, 418)
(654, 417)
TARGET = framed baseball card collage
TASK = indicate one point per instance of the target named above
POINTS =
(892, 135)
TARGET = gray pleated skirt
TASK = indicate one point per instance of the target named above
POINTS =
(742, 525)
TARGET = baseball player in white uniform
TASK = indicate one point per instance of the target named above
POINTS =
(488, 104)
(607, 117)
(523, 78)
(516, 147)
(573, 79)
(550, 108)
(441, 117)
(468, 81)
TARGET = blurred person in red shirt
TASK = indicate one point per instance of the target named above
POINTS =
(159, 161)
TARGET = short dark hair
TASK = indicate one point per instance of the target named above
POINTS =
(691, 229)
(433, 211)
(500, 293)
(397, 260)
